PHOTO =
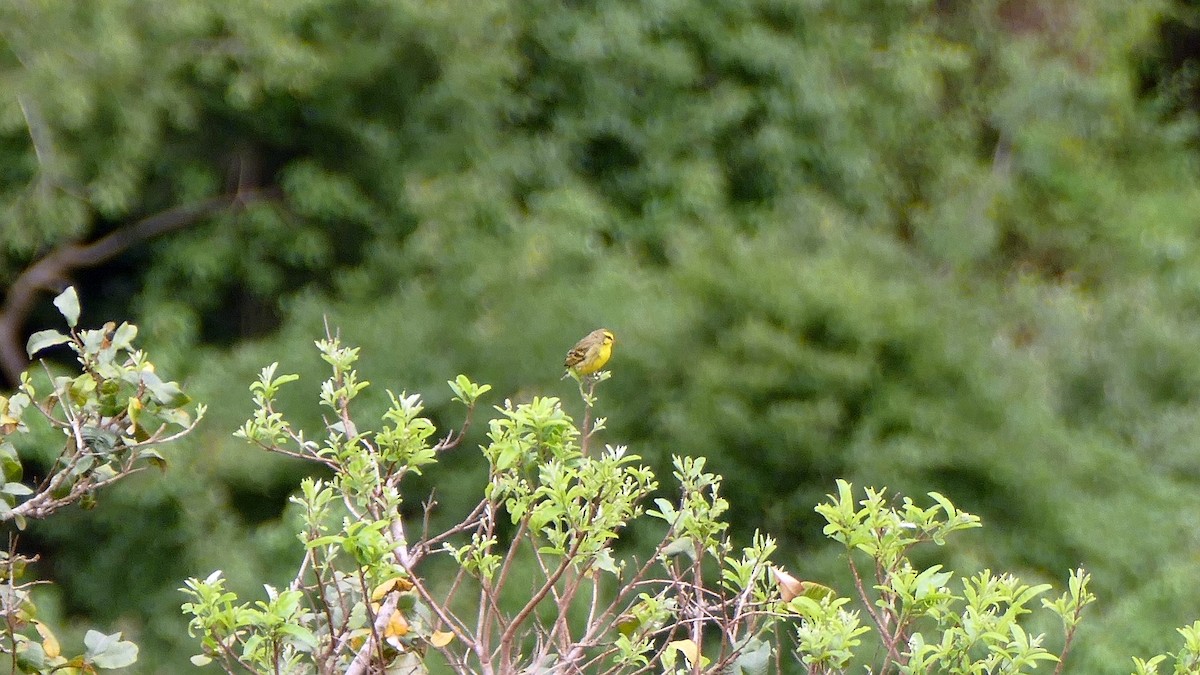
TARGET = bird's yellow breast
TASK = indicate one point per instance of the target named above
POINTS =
(596, 361)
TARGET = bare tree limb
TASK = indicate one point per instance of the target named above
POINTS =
(51, 272)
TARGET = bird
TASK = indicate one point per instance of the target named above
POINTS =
(589, 354)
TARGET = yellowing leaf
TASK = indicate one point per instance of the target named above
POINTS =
(397, 626)
(49, 642)
(7, 419)
(441, 638)
(395, 583)
(358, 637)
(687, 648)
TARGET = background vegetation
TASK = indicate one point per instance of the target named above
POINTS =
(928, 245)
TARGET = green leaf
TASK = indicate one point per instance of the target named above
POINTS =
(817, 591)
(97, 642)
(123, 336)
(44, 339)
(681, 546)
(604, 561)
(325, 541)
(467, 391)
(406, 601)
(109, 651)
(31, 658)
(154, 458)
(166, 393)
(67, 303)
(10, 463)
(16, 489)
(755, 658)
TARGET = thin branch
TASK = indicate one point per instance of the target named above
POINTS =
(511, 555)
(610, 613)
(880, 620)
(491, 617)
(698, 599)
(321, 590)
(452, 439)
(509, 635)
(743, 599)
(561, 630)
(424, 548)
(588, 400)
(332, 464)
(452, 622)
(1062, 656)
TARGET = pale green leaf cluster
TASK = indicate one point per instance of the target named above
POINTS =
(371, 593)
(114, 415)
(924, 623)
(369, 602)
(828, 634)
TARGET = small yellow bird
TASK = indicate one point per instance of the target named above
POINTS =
(590, 354)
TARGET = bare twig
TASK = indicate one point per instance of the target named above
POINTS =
(611, 613)
(507, 638)
(586, 430)
(453, 624)
(332, 464)
(880, 619)
(510, 556)
(424, 548)
(452, 439)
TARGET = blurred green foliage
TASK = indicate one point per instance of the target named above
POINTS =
(930, 245)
